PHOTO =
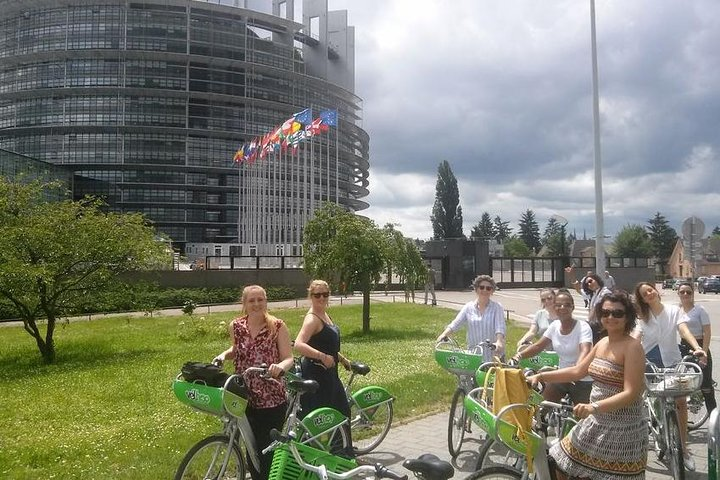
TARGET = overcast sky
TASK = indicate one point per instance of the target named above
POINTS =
(502, 90)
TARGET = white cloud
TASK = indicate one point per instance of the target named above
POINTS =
(502, 90)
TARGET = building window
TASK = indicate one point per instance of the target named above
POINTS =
(253, 250)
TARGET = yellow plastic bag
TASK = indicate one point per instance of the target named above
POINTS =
(511, 388)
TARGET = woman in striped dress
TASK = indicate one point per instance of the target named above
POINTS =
(611, 440)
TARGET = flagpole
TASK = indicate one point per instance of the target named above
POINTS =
(337, 163)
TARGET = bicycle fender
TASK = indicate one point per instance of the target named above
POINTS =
(371, 395)
(322, 420)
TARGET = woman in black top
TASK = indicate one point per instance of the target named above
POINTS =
(319, 343)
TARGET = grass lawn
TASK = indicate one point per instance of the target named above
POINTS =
(105, 410)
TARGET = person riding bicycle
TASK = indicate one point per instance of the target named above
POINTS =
(657, 331)
(572, 340)
(484, 318)
(260, 338)
(610, 441)
(319, 343)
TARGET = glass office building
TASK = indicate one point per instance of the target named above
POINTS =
(147, 101)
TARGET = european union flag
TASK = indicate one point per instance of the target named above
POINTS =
(329, 117)
(304, 117)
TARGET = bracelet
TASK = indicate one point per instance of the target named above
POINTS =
(595, 406)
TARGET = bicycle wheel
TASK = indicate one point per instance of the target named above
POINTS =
(495, 473)
(494, 454)
(675, 448)
(697, 411)
(369, 426)
(206, 460)
(456, 422)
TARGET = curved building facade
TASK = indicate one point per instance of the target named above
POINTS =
(146, 102)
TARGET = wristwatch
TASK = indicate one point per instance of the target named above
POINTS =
(595, 406)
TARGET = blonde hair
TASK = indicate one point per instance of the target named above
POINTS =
(269, 319)
(315, 284)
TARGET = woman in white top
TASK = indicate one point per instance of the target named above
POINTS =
(698, 322)
(572, 340)
(485, 319)
(657, 330)
(543, 317)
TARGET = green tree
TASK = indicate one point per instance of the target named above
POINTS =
(632, 242)
(446, 215)
(516, 247)
(502, 229)
(552, 228)
(485, 228)
(716, 231)
(341, 246)
(55, 254)
(662, 239)
(529, 230)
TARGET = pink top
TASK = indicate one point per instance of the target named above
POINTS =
(252, 352)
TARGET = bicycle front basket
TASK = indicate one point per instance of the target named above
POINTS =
(284, 466)
(458, 362)
(200, 396)
(673, 384)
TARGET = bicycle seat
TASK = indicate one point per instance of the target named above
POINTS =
(430, 466)
(359, 368)
(304, 386)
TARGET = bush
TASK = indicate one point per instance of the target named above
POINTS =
(148, 297)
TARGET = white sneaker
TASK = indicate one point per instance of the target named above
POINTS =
(689, 463)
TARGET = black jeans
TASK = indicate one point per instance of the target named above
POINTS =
(262, 420)
(707, 383)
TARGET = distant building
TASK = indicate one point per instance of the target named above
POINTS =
(147, 101)
(681, 265)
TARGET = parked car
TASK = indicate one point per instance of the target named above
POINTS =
(668, 283)
(710, 285)
(677, 282)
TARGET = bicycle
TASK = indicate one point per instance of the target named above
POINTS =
(220, 455)
(371, 412)
(664, 386)
(495, 452)
(697, 410)
(294, 460)
(464, 364)
(533, 442)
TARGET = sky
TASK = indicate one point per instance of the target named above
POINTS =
(502, 90)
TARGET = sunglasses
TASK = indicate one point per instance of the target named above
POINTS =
(321, 294)
(564, 305)
(545, 299)
(487, 288)
(590, 280)
(685, 292)
(619, 313)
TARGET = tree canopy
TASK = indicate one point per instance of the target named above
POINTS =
(446, 218)
(53, 254)
(503, 231)
(529, 230)
(516, 247)
(340, 246)
(632, 241)
(662, 238)
(485, 228)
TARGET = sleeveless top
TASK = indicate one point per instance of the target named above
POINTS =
(251, 352)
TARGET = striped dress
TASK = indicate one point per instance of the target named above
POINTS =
(606, 446)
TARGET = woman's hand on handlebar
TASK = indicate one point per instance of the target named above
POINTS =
(583, 410)
(276, 370)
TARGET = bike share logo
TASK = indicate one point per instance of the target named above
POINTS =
(323, 420)
(195, 396)
(455, 361)
(372, 396)
(480, 421)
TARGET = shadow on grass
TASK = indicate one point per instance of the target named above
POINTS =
(82, 357)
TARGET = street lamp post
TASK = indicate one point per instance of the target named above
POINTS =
(599, 227)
